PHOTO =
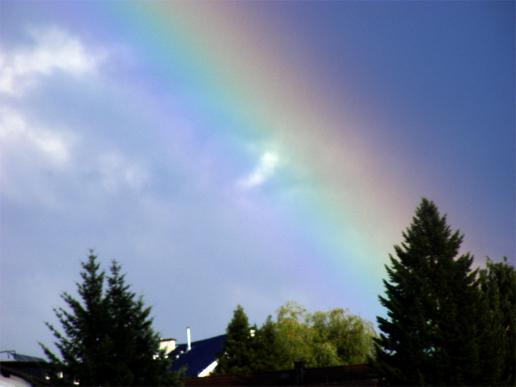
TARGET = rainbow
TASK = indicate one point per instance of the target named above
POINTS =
(227, 69)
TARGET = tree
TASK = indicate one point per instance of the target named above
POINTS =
(318, 340)
(295, 338)
(430, 334)
(351, 336)
(85, 344)
(321, 339)
(108, 337)
(498, 287)
(265, 347)
(136, 357)
(236, 357)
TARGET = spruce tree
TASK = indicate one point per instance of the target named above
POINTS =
(107, 335)
(498, 319)
(266, 356)
(430, 334)
(135, 357)
(85, 344)
(237, 354)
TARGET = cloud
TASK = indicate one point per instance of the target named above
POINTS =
(31, 155)
(116, 171)
(53, 50)
(34, 156)
(18, 136)
(263, 171)
(42, 164)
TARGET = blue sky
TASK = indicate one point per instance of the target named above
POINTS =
(106, 145)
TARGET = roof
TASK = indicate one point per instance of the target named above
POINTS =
(11, 355)
(33, 372)
(203, 353)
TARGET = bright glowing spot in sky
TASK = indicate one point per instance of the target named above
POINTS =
(262, 172)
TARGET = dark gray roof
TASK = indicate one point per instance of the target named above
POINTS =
(13, 356)
(19, 357)
(203, 353)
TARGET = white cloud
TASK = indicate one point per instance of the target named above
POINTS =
(53, 50)
(116, 171)
(31, 155)
(263, 171)
(18, 136)
(38, 163)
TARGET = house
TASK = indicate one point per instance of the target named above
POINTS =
(13, 381)
(197, 358)
(19, 370)
(167, 345)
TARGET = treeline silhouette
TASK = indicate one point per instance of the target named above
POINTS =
(445, 324)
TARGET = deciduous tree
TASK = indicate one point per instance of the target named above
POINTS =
(318, 340)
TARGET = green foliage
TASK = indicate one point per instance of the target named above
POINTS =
(318, 340)
(85, 343)
(295, 338)
(321, 339)
(265, 346)
(498, 321)
(108, 337)
(236, 357)
(430, 334)
(351, 336)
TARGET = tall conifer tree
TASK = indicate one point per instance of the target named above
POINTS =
(85, 344)
(237, 354)
(107, 334)
(266, 356)
(498, 318)
(136, 358)
(430, 334)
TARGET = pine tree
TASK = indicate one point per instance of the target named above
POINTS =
(108, 337)
(85, 345)
(498, 319)
(266, 356)
(237, 354)
(430, 335)
(135, 355)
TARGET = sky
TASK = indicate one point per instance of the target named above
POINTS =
(244, 152)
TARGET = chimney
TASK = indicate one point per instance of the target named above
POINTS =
(188, 339)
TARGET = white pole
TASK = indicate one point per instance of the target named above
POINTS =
(188, 339)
